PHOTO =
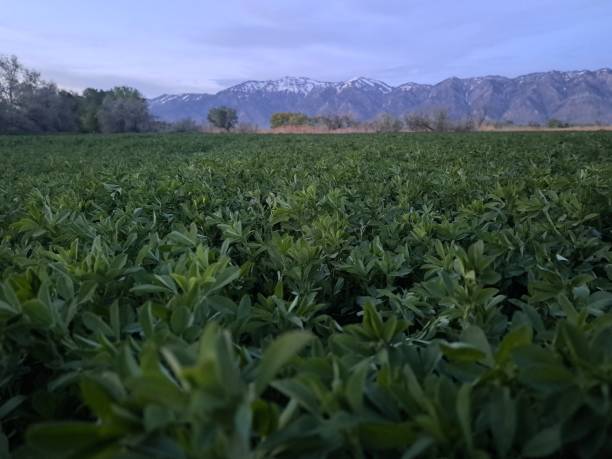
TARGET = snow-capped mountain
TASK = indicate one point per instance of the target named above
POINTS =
(576, 96)
(291, 85)
(363, 83)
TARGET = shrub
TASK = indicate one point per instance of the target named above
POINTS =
(223, 117)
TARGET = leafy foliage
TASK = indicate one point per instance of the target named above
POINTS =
(188, 296)
(29, 104)
(223, 117)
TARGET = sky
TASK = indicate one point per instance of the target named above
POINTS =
(176, 46)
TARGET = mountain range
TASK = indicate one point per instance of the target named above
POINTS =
(579, 97)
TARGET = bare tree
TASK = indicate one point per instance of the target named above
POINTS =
(10, 70)
(246, 128)
(417, 122)
(438, 122)
(441, 121)
(388, 123)
(15, 79)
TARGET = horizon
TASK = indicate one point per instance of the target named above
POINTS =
(384, 82)
(190, 47)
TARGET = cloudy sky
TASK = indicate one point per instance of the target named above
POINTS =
(175, 46)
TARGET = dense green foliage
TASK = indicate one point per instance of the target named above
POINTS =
(383, 296)
(223, 117)
(29, 104)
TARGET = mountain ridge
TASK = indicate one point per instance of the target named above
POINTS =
(577, 96)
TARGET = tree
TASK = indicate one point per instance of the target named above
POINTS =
(50, 109)
(29, 104)
(334, 122)
(441, 121)
(555, 124)
(223, 117)
(124, 110)
(289, 119)
(89, 106)
(417, 122)
(331, 122)
(185, 125)
(387, 123)
(12, 76)
(13, 81)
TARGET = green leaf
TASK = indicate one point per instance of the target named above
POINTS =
(156, 417)
(541, 368)
(265, 417)
(96, 398)
(515, 339)
(299, 392)
(600, 301)
(282, 349)
(94, 323)
(179, 320)
(355, 387)
(181, 239)
(568, 308)
(547, 377)
(115, 320)
(544, 443)
(373, 321)
(11, 404)
(476, 337)
(146, 320)
(7, 309)
(576, 341)
(224, 278)
(463, 408)
(502, 420)
(462, 352)
(149, 288)
(39, 313)
(158, 390)
(418, 447)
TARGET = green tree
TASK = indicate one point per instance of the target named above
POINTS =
(223, 117)
(90, 104)
(289, 119)
(124, 110)
(30, 104)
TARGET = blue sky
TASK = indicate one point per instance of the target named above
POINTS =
(203, 46)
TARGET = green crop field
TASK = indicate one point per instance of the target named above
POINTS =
(350, 296)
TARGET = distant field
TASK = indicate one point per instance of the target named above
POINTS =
(305, 296)
(590, 128)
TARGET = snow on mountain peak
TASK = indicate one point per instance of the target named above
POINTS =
(303, 85)
(288, 84)
(363, 83)
(187, 97)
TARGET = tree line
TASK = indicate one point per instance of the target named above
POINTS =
(226, 118)
(29, 104)
(438, 121)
